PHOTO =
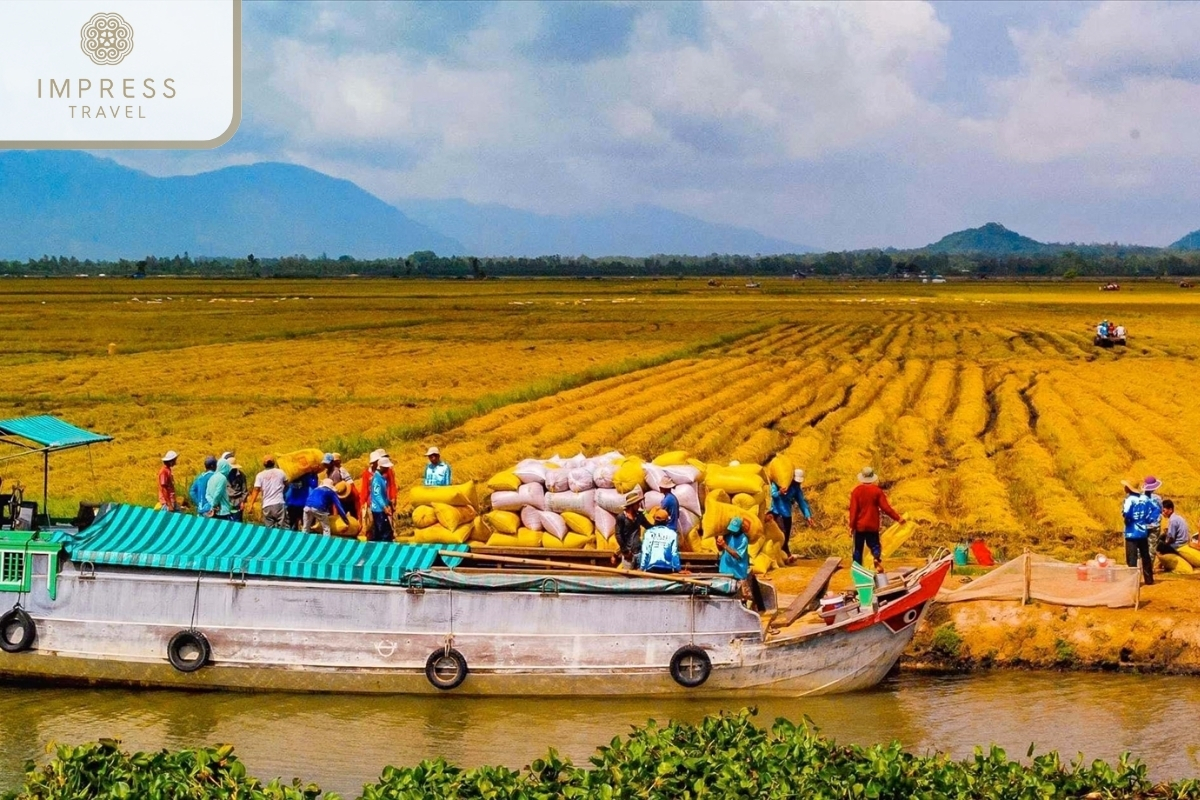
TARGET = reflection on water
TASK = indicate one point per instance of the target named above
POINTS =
(341, 742)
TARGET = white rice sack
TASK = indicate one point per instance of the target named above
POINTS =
(606, 523)
(653, 500)
(530, 471)
(580, 480)
(687, 521)
(682, 473)
(654, 475)
(532, 494)
(557, 480)
(575, 462)
(610, 500)
(579, 502)
(603, 476)
(531, 518)
(553, 523)
(507, 501)
(688, 498)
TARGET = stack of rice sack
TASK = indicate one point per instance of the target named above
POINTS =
(446, 514)
(744, 490)
(574, 502)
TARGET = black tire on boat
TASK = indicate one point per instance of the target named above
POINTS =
(690, 666)
(446, 669)
(17, 631)
(188, 651)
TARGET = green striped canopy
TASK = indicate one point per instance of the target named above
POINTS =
(50, 432)
(135, 536)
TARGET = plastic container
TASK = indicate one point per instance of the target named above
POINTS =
(960, 555)
(1081, 572)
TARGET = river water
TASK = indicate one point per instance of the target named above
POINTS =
(341, 742)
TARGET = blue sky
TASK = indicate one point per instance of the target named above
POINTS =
(835, 125)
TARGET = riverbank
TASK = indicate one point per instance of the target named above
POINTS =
(1161, 636)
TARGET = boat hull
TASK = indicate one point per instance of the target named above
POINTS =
(112, 628)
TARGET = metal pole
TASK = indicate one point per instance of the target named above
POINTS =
(46, 486)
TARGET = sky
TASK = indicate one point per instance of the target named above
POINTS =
(834, 125)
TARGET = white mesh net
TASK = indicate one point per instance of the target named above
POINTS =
(1043, 578)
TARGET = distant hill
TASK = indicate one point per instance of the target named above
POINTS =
(494, 230)
(992, 238)
(1189, 242)
(74, 204)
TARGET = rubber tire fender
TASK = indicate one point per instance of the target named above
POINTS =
(184, 640)
(690, 658)
(439, 661)
(20, 618)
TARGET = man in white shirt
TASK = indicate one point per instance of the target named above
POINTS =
(270, 484)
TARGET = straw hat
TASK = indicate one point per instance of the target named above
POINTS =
(232, 462)
(1135, 488)
(798, 476)
(665, 483)
(433, 451)
(228, 454)
(868, 476)
(1151, 484)
(376, 455)
(385, 462)
(633, 497)
(343, 489)
(170, 456)
(337, 457)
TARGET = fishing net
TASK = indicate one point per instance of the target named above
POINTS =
(1043, 578)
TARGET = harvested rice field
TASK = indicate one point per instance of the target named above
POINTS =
(985, 407)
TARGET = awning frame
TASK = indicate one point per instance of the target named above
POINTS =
(9, 429)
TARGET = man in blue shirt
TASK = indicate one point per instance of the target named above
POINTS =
(437, 472)
(321, 504)
(1137, 542)
(381, 509)
(669, 504)
(1153, 510)
(781, 509)
(734, 547)
(198, 491)
(296, 498)
(660, 550)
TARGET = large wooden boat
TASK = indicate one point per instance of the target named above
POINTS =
(145, 598)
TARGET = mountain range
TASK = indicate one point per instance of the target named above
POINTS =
(75, 204)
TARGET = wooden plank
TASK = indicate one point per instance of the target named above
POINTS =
(556, 554)
(535, 562)
(808, 598)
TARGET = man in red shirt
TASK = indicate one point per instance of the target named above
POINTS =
(166, 482)
(866, 501)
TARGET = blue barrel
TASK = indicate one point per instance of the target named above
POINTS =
(960, 555)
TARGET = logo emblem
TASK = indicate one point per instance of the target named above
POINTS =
(106, 39)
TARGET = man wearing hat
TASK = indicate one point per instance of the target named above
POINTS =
(166, 482)
(381, 506)
(781, 509)
(437, 472)
(1152, 510)
(867, 501)
(236, 488)
(734, 548)
(338, 473)
(630, 523)
(1137, 540)
(669, 504)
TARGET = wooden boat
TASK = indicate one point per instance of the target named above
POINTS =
(146, 598)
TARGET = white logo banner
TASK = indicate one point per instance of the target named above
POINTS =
(119, 73)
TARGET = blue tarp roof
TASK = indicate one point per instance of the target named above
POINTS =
(141, 537)
(50, 432)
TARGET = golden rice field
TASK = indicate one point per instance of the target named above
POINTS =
(984, 407)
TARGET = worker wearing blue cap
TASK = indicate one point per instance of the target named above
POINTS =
(734, 547)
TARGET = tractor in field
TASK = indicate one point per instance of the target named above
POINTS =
(1109, 334)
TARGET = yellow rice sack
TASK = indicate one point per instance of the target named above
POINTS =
(761, 564)
(717, 517)
(608, 544)
(708, 546)
(579, 523)
(756, 548)
(300, 462)
(675, 458)
(424, 516)
(693, 540)
(781, 471)
(436, 534)
(503, 540)
(503, 522)
(733, 480)
(527, 537)
(700, 465)
(462, 494)
(349, 530)
(552, 542)
(504, 482)
(1174, 563)
(452, 516)
(717, 496)
(747, 501)
(629, 475)
(1189, 554)
(480, 532)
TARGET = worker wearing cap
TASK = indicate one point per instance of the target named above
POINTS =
(338, 473)
(437, 472)
(166, 482)
(381, 506)
(198, 491)
(321, 504)
(1137, 539)
(734, 548)
(782, 501)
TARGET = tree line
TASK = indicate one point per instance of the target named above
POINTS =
(1089, 261)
